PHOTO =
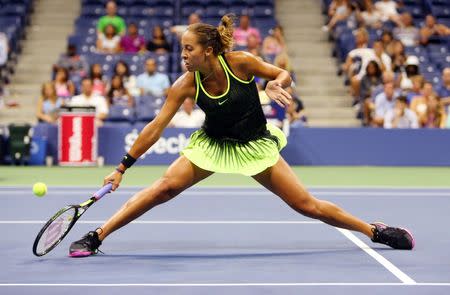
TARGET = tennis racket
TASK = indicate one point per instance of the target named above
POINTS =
(62, 222)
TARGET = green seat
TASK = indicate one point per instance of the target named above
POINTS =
(19, 143)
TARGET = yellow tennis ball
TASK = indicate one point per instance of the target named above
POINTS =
(39, 189)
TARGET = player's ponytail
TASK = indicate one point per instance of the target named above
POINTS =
(225, 30)
(220, 39)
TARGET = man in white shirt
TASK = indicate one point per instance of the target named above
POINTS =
(188, 117)
(401, 116)
(88, 99)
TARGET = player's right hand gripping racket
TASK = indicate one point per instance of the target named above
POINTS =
(62, 222)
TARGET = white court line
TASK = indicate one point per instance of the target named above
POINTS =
(172, 222)
(383, 261)
(27, 193)
(220, 284)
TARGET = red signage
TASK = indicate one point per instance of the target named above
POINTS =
(77, 139)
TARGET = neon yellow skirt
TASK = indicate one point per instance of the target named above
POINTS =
(248, 158)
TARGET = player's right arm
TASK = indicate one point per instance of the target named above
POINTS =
(182, 88)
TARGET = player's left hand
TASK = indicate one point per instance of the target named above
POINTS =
(278, 94)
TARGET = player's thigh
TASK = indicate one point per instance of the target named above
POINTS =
(182, 174)
(282, 181)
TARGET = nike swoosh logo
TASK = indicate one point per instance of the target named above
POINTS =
(222, 102)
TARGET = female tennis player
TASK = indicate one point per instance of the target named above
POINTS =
(235, 138)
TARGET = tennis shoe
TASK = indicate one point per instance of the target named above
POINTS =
(395, 237)
(86, 246)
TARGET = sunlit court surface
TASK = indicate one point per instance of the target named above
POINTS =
(224, 240)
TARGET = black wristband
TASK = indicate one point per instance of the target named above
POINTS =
(128, 161)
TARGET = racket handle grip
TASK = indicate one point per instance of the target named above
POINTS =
(103, 191)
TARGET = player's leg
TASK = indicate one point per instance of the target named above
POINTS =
(178, 177)
(282, 181)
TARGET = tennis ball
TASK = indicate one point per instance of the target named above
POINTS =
(39, 189)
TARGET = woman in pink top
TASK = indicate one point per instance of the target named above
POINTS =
(98, 82)
(64, 87)
(241, 33)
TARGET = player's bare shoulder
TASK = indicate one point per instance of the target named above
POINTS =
(240, 62)
(184, 86)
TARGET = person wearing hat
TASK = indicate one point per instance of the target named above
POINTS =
(411, 69)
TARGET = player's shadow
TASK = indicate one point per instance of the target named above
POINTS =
(208, 256)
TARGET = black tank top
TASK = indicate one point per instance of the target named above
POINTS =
(235, 115)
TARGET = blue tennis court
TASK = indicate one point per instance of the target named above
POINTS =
(229, 240)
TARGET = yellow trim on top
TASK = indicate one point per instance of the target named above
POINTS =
(222, 61)
(219, 96)
(197, 80)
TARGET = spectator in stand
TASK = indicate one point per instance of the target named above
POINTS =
(48, 104)
(64, 87)
(388, 42)
(178, 30)
(254, 47)
(361, 40)
(435, 116)
(109, 42)
(158, 43)
(129, 81)
(152, 82)
(296, 114)
(419, 104)
(241, 33)
(443, 89)
(4, 49)
(117, 94)
(370, 16)
(407, 33)
(398, 56)
(132, 42)
(384, 102)
(370, 81)
(369, 104)
(400, 116)
(98, 81)
(388, 11)
(432, 29)
(111, 18)
(339, 10)
(366, 55)
(188, 116)
(88, 98)
(410, 69)
(274, 43)
(417, 85)
(76, 64)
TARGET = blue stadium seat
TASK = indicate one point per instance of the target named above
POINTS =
(93, 2)
(195, 8)
(441, 11)
(145, 110)
(239, 10)
(262, 11)
(174, 76)
(93, 10)
(119, 113)
(434, 78)
(216, 11)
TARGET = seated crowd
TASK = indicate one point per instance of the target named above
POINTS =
(395, 60)
(79, 82)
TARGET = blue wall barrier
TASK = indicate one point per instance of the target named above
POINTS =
(307, 146)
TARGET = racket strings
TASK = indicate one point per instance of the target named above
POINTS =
(55, 231)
